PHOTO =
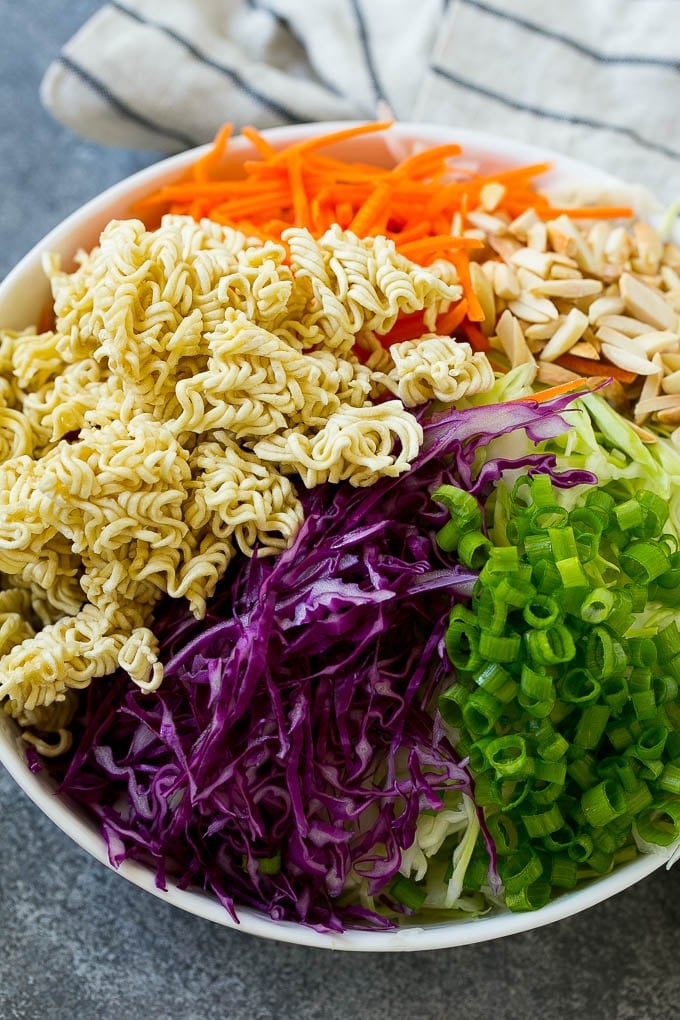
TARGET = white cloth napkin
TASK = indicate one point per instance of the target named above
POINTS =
(597, 80)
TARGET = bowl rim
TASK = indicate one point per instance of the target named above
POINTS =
(42, 790)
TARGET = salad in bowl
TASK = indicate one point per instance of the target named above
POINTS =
(339, 540)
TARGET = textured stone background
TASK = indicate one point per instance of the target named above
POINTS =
(77, 941)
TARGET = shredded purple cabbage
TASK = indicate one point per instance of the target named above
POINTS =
(295, 738)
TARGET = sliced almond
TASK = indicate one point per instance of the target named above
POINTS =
(646, 304)
(571, 330)
(605, 306)
(623, 358)
(491, 195)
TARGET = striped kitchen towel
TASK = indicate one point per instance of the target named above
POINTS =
(597, 80)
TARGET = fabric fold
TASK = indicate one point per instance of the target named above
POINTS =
(597, 82)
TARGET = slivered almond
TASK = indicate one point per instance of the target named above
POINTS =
(669, 278)
(505, 282)
(503, 246)
(537, 236)
(583, 349)
(571, 330)
(484, 221)
(619, 246)
(671, 383)
(607, 335)
(563, 230)
(561, 272)
(598, 235)
(510, 334)
(646, 304)
(544, 330)
(624, 324)
(490, 195)
(605, 306)
(649, 248)
(523, 223)
(671, 416)
(670, 362)
(537, 262)
(657, 341)
(671, 255)
(654, 405)
(533, 309)
(474, 232)
(573, 289)
(672, 297)
(650, 388)
(554, 375)
(624, 358)
(644, 434)
(485, 294)
(457, 225)
(527, 279)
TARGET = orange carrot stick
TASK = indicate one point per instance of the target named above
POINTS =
(587, 385)
(588, 366)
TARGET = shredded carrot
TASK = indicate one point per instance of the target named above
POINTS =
(473, 334)
(556, 391)
(414, 204)
(208, 163)
(587, 366)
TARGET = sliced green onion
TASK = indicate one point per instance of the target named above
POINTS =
(520, 870)
(550, 646)
(473, 549)
(660, 823)
(591, 726)
(407, 892)
(597, 605)
(602, 803)
(541, 611)
(508, 756)
(644, 561)
(542, 823)
(499, 648)
(532, 897)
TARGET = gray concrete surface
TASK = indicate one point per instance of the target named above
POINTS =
(78, 941)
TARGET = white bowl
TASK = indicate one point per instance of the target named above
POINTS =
(22, 296)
